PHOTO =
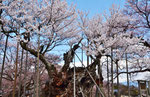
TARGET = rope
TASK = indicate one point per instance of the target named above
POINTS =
(82, 92)
(74, 79)
(90, 75)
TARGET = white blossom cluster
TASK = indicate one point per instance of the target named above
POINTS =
(53, 20)
(115, 32)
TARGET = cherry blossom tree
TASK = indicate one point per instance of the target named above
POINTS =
(9, 74)
(54, 21)
(41, 25)
(115, 35)
(140, 10)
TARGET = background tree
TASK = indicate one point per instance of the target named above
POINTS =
(140, 9)
(9, 74)
(57, 23)
(117, 33)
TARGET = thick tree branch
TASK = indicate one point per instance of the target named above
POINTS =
(50, 67)
(68, 56)
(146, 44)
(136, 71)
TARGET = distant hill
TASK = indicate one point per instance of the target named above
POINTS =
(124, 89)
(131, 83)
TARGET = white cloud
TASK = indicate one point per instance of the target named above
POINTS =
(122, 77)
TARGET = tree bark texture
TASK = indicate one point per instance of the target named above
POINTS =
(60, 84)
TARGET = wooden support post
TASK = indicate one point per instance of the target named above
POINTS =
(25, 75)
(38, 75)
(118, 87)
(16, 69)
(6, 43)
(112, 80)
(19, 92)
(87, 55)
(74, 87)
(128, 85)
(108, 89)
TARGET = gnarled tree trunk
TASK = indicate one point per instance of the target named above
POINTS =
(60, 84)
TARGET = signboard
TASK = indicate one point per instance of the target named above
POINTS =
(143, 85)
(149, 88)
(144, 88)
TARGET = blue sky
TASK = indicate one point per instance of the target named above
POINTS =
(93, 7)
(96, 6)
